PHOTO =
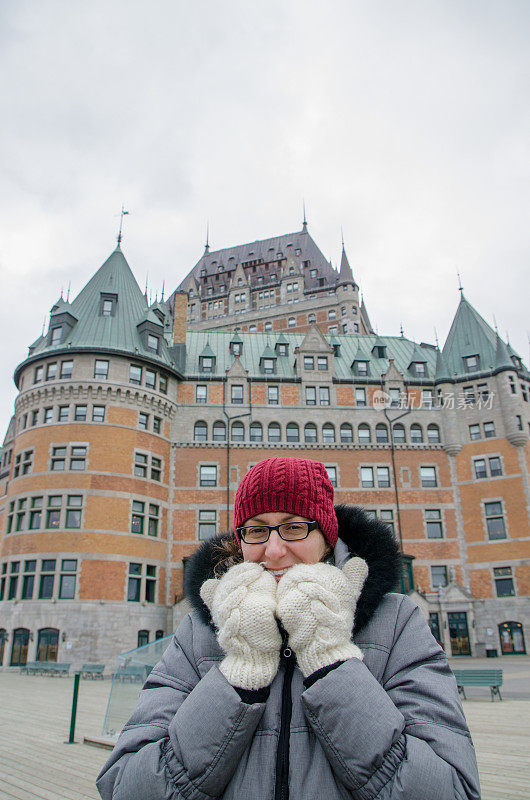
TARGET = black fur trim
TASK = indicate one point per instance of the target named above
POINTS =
(365, 537)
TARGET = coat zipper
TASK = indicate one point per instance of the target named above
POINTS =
(282, 752)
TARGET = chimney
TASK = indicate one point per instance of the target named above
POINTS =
(180, 313)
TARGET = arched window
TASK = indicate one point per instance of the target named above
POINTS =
(19, 649)
(398, 431)
(346, 433)
(310, 433)
(143, 638)
(433, 434)
(328, 433)
(416, 434)
(293, 432)
(200, 432)
(159, 634)
(238, 432)
(48, 644)
(311, 318)
(274, 432)
(365, 436)
(256, 432)
(252, 328)
(381, 433)
(291, 322)
(219, 431)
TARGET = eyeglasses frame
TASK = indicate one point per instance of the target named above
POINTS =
(311, 526)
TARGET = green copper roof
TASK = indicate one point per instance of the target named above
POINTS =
(114, 333)
(352, 346)
(442, 374)
(470, 335)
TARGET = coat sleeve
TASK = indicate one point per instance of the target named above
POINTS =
(186, 734)
(405, 738)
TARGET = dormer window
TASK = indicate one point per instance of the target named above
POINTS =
(419, 369)
(517, 362)
(297, 251)
(220, 268)
(279, 254)
(282, 349)
(107, 305)
(312, 273)
(203, 273)
(153, 343)
(240, 281)
(309, 362)
(336, 350)
(206, 364)
(268, 365)
(57, 334)
(236, 347)
(360, 368)
(379, 351)
(472, 363)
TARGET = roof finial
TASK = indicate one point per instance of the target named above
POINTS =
(146, 283)
(495, 325)
(401, 332)
(43, 325)
(122, 214)
(61, 292)
(461, 288)
(304, 223)
(68, 292)
(342, 236)
(162, 295)
(207, 245)
(436, 338)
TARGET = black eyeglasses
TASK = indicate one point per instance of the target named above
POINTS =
(288, 531)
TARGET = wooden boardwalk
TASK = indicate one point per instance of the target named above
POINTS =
(35, 764)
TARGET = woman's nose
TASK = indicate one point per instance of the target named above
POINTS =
(275, 545)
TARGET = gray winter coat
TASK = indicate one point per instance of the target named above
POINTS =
(389, 727)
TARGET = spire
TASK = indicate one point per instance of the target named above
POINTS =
(441, 374)
(304, 223)
(122, 214)
(502, 354)
(460, 287)
(345, 274)
(469, 336)
(207, 245)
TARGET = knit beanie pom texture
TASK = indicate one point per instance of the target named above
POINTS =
(293, 485)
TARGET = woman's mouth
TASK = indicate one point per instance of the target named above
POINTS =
(277, 573)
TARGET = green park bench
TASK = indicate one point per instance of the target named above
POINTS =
(133, 673)
(45, 668)
(479, 677)
(92, 671)
(32, 667)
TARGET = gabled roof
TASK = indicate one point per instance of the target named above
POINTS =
(110, 333)
(469, 335)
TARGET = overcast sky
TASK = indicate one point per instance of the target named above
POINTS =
(406, 122)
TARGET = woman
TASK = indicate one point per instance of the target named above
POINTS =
(263, 693)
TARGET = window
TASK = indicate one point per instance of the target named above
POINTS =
(519, 421)
(367, 477)
(474, 432)
(21, 514)
(360, 398)
(47, 415)
(293, 433)
(58, 460)
(219, 432)
(471, 363)
(145, 517)
(332, 475)
(273, 395)
(143, 420)
(35, 415)
(428, 476)
(35, 514)
(67, 579)
(98, 413)
(427, 398)
(346, 433)
(309, 362)
(162, 384)
(383, 477)
(323, 395)
(256, 432)
(101, 370)
(74, 504)
(141, 583)
(47, 578)
(28, 580)
(23, 463)
(156, 468)
(51, 371)
(381, 433)
(207, 524)
(206, 364)
(238, 432)
(504, 581)
(398, 432)
(310, 395)
(328, 433)
(135, 374)
(495, 465)
(495, 526)
(268, 365)
(469, 395)
(360, 368)
(77, 458)
(66, 369)
(63, 414)
(291, 322)
(152, 343)
(13, 580)
(433, 434)
(332, 314)
(433, 523)
(201, 393)
(274, 433)
(395, 397)
(150, 379)
(333, 329)
(311, 318)
(439, 577)
(143, 638)
(38, 374)
(236, 393)
(419, 369)
(208, 475)
(416, 434)
(483, 391)
(489, 430)
(365, 436)
(310, 433)
(80, 413)
(387, 516)
(53, 513)
(57, 334)
(480, 468)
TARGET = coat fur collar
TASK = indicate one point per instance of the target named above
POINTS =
(363, 536)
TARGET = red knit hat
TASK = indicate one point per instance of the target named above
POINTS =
(295, 485)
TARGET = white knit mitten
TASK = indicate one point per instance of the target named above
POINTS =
(316, 605)
(242, 604)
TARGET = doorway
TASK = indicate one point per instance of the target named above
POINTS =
(19, 650)
(459, 633)
(512, 638)
(48, 644)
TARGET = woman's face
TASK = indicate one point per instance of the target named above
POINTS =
(276, 554)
